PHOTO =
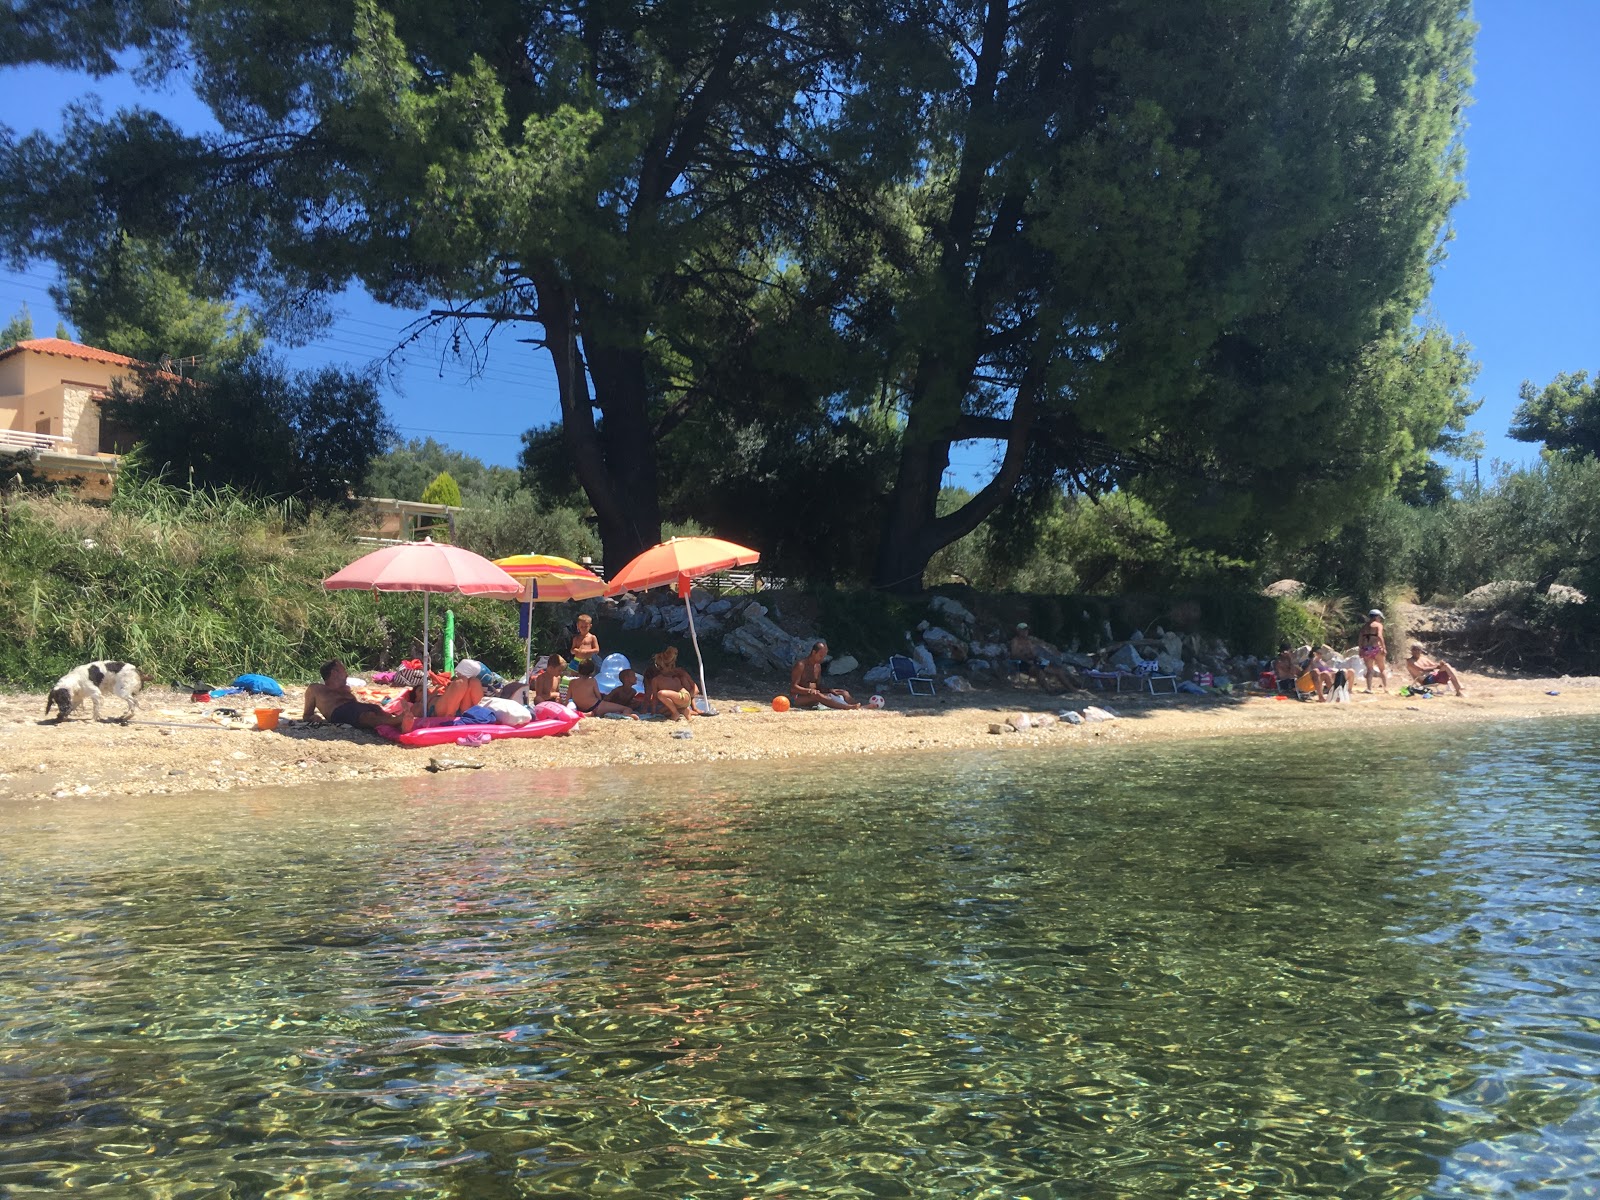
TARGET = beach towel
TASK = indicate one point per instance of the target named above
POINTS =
(477, 715)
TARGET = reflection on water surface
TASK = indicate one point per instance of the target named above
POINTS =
(1298, 970)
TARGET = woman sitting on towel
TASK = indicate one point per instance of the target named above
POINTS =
(669, 686)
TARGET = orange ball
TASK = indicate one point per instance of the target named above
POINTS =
(780, 704)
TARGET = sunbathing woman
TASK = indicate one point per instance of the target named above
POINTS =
(584, 643)
(463, 691)
(584, 692)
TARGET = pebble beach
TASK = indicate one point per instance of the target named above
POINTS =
(178, 746)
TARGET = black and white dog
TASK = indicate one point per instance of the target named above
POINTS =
(92, 681)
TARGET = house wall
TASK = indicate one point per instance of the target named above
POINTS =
(60, 392)
(12, 388)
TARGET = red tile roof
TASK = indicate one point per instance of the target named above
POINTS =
(68, 349)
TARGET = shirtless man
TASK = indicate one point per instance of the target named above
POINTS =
(1037, 658)
(584, 643)
(1321, 675)
(805, 683)
(1427, 671)
(1373, 649)
(333, 701)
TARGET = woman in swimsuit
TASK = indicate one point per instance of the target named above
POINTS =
(668, 686)
(1373, 650)
(584, 692)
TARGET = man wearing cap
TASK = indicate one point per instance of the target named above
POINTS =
(1373, 650)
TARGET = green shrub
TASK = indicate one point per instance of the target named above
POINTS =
(517, 524)
(1296, 625)
(865, 623)
(203, 585)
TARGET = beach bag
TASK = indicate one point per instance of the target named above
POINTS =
(477, 715)
(260, 685)
(508, 712)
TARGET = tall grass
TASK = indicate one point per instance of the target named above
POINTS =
(200, 586)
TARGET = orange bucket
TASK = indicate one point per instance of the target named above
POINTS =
(267, 718)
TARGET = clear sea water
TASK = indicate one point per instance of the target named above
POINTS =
(1321, 968)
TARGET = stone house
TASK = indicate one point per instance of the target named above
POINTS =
(51, 391)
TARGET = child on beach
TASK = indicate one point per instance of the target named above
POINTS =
(584, 692)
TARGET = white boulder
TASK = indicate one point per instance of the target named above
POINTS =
(952, 611)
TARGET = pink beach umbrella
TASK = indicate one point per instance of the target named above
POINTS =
(427, 567)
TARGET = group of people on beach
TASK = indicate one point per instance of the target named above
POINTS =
(1317, 672)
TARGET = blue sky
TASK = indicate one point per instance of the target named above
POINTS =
(1519, 283)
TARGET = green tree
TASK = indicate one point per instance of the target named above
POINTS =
(18, 329)
(1564, 415)
(575, 171)
(443, 490)
(407, 467)
(128, 299)
(257, 427)
(1179, 245)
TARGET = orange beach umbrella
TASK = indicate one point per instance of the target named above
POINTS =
(677, 562)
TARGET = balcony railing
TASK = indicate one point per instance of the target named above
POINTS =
(17, 439)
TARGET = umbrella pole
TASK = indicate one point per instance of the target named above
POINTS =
(527, 652)
(424, 653)
(694, 637)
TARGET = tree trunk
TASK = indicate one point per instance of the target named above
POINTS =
(614, 460)
(913, 531)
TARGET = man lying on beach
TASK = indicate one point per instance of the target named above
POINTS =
(1427, 671)
(805, 683)
(333, 701)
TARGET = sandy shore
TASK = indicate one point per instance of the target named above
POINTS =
(178, 746)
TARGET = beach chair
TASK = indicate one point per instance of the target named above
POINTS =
(903, 670)
(1101, 678)
(1147, 673)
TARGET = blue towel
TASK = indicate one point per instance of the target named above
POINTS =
(476, 715)
(261, 685)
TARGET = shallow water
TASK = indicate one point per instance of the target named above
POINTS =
(1316, 969)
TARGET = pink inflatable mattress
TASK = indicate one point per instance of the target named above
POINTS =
(446, 735)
